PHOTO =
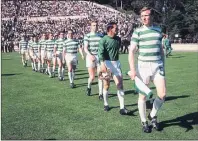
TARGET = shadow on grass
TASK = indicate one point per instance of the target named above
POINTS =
(81, 74)
(185, 121)
(149, 103)
(79, 70)
(176, 56)
(82, 78)
(11, 74)
(6, 59)
(85, 84)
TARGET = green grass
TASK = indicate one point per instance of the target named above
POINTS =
(37, 107)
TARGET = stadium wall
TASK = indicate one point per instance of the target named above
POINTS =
(185, 47)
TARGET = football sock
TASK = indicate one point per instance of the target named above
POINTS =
(142, 109)
(89, 83)
(35, 65)
(49, 70)
(59, 72)
(73, 75)
(105, 97)
(120, 94)
(39, 66)
(63, 72)
(70, 77)
(100, 85)
(156, 106)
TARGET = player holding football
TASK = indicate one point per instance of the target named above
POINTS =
(108, 54)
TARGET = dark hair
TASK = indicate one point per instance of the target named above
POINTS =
(110, 26)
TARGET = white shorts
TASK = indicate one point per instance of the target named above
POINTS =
(114, 67)
(71, 59)
(35, 55)
(59, 55)
(43, 54)
(50, 55)
(92, 64)
(148, 71)
(23, 52)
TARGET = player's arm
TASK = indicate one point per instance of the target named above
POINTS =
(81, 51)
(39, 50)
(162, 54)
(86, 48)
(101, 55)
(55, 48)
(64, 53)
(131, 56)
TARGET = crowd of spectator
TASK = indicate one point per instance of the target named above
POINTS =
(36, 16)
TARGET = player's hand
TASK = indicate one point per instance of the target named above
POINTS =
(103, 67)
(92, 58)
(132, 74)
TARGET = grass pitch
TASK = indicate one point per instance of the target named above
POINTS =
(37, 107)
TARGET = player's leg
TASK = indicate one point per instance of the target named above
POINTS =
(49, 59)
(100, 82)
(54, 65)
(63, 67)
(143, 73)
(160, 84)
(49, 67)
(42, 61)
(59, 61)
(91, 70)
(70, 70)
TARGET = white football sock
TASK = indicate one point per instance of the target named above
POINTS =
(120, 94)
(105, 97)
(70, 77)
(142, 109)
(89, 83)
(156, 106)
(100, 85)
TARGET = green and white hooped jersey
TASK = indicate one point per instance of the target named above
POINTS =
(92, 39)
(35, 47)
(59, 43)
(50, 45)
(149, 42)
(23, 44)
(29, 43)
(71, 46)
(42, 44)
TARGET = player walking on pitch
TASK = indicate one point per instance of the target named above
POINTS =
(70, 50)
(23, 44)
(91, 44)
(49, 50)
(58, 49)
(148, 39)
(108, 54)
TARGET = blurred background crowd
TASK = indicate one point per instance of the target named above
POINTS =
(36, 17)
